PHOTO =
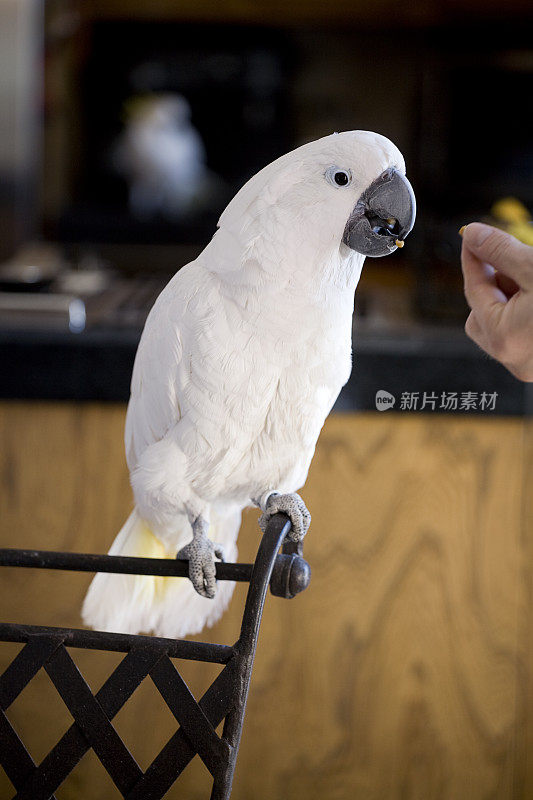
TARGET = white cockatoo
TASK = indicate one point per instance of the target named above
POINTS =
(162, 156)
(240, 362)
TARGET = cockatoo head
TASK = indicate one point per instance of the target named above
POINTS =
(328, 203)
(157, 111)
(385, 208)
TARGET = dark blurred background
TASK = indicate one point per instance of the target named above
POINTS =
(127, 127)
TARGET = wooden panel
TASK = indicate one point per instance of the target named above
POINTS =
(416, 602)
(525, 742)
(400, 673)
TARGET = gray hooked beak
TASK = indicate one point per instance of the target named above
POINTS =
(383, 216)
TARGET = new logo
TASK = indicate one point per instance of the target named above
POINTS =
(384, 400)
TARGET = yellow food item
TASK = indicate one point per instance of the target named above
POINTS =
(512, 216)
(509, 209)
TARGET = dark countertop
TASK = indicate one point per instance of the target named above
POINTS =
(411, 360)
(403, 361)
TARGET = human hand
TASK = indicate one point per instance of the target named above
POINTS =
(498, 283)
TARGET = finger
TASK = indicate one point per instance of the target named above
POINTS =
(220, 552)
(306, 517)
(502, 251)
(508, 286)
(183, 554)
(475, 332)
(273, 504)
(196, 577)
(298, 526)
(210, 581)
(481, 290)
(198, 583)
(293, 536)
(297, 531)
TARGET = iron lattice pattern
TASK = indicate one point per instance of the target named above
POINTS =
(46, 648)
(93, 714)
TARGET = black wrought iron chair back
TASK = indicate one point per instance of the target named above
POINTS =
(287, 573)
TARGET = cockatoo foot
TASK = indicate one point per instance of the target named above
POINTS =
(296, 510)
(201, 554)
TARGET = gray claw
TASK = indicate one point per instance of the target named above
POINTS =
(296, 510)
(201, 553)
(219, 551)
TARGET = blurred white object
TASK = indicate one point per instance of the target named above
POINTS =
(162, 156)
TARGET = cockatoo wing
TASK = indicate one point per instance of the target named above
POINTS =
(154, 407)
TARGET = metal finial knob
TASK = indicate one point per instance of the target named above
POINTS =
(290, 576)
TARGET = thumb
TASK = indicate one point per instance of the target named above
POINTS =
(502, 251)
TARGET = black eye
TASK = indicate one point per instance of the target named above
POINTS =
(341, 178)
(337, 176)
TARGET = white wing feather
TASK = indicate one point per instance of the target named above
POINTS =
(154, 406)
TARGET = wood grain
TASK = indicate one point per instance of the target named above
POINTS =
(525, 736)
(404, 671)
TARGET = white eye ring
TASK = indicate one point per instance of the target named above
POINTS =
(338, 177)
